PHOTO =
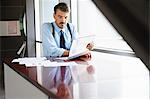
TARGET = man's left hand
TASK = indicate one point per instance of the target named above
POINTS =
(90, 46)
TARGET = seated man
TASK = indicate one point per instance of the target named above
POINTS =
(58, 36)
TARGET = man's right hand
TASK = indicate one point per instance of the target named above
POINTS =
(66, 53)
(63, 91)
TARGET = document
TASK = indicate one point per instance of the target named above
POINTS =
(29, 59)
(57, 64)
(42, 61)
(78, 47)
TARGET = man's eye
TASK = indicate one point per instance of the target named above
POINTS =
(66, 17)
(60, 17)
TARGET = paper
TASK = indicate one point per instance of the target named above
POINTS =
(30, 61)
(42, 61)
(78, 47)
(26, 59)
(52, 64)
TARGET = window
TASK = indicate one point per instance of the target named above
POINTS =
(92, 21)
(43, 13)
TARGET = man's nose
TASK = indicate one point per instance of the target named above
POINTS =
(63, 20)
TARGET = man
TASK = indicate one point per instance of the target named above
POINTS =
(58, 36)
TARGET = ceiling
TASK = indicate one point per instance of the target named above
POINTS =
(11, 9)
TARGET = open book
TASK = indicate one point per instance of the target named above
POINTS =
(78, 47)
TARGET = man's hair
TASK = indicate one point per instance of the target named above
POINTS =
(61, 6)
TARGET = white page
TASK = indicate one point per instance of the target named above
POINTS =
(31, 62)
(79, 45)
(52, 64)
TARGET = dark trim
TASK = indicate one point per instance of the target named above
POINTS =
(114, 52)
(38, 41)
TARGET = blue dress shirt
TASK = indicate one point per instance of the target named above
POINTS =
(51, 44)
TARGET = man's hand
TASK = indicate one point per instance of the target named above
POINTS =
(63, 92)
(85, 57)
(90, 69)
(90, 46)
(66, 53)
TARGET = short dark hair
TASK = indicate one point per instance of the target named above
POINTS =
(61, 6)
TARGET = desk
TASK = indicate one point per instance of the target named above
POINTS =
(103, 76)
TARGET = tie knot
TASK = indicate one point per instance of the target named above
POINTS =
(61, 31)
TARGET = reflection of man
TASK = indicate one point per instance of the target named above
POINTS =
(59, 81)
(85, 72)
(58, 36)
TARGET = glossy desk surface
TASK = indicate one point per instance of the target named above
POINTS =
(103, 76)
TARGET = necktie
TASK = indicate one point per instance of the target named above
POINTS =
(63, 70)
(62, 75)
(62, 40)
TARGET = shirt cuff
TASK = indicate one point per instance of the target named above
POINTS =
(61, 51)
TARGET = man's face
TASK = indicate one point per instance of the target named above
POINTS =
(61, 18)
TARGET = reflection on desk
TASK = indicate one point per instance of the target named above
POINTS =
(102, 75)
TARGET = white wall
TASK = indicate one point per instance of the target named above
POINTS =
(46, 10)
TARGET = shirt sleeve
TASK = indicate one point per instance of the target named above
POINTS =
(49, 45)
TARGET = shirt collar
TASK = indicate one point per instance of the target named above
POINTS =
(58, 29)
